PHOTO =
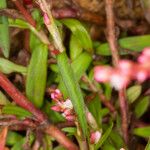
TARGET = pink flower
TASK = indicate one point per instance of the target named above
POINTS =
(102, 73)
(146, 51)
(125, 67)
(119, 80)
(56, 94)
(67, 104)
(64, 107)
(56, 108)
(126, 71)
(95, 137)
(141, 75)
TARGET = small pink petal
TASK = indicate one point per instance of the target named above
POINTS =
(67, 104)
(56, 95)
(56, 108)
(67, 112)
(46, 19)
(70, 118)
(125, 67)
(141, 75)
(119, 81)
(143, 59)
(95, 137)
(146, 51)
(102, 73)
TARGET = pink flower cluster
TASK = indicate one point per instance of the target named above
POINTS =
(65, 107)
(95, 137)
(126, 71)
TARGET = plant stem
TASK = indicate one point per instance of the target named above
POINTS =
(20, 99)
(51, 26)
(27, 16)
(102, 97)
(111, 37)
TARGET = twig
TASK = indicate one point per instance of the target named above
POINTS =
(115, 55)
(53, 131)
(102, 97)
(20, 99)
(27, 16)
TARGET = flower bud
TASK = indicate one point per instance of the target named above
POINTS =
(95, 137)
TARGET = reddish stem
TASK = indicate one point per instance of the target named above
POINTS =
(20, 99)
(124, 114)
(111, 37)
(24, 12)
(53, 131)
(106, 102)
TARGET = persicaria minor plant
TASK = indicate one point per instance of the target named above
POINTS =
(64, 85)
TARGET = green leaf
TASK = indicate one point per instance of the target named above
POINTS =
(4, 32)
(104, 137)
(148, 145)
(79, 31)
(3, 99)
(59, 148)
(18, 23)
(142, 106)
(70, 130)
(94, 107)
(116, 139)
(79, 66)
(75, 47)
(108, 146)
(143, 132)
(8, 67)
(15, 110)
(37, 75)
(133, 93)
(13, 138)
(136, 43)
(19, 144)
(73, 89)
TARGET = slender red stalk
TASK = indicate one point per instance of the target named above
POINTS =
(24, 12)
(111, 37)
(20, 99)
(106, 102)
(53, 131)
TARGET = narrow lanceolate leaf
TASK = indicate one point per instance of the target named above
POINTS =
(142, 106)
(73, 89)
(79, 66)
(3, 99)
(133, 93)
(4, 32)
(8, 67)
(75, 47)
(12, 138)
(143, 132)
(18, 23)
(136, 43)
(148, 145)
(79, 31)
(104, 137)
(15, 110)
(37, 74)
